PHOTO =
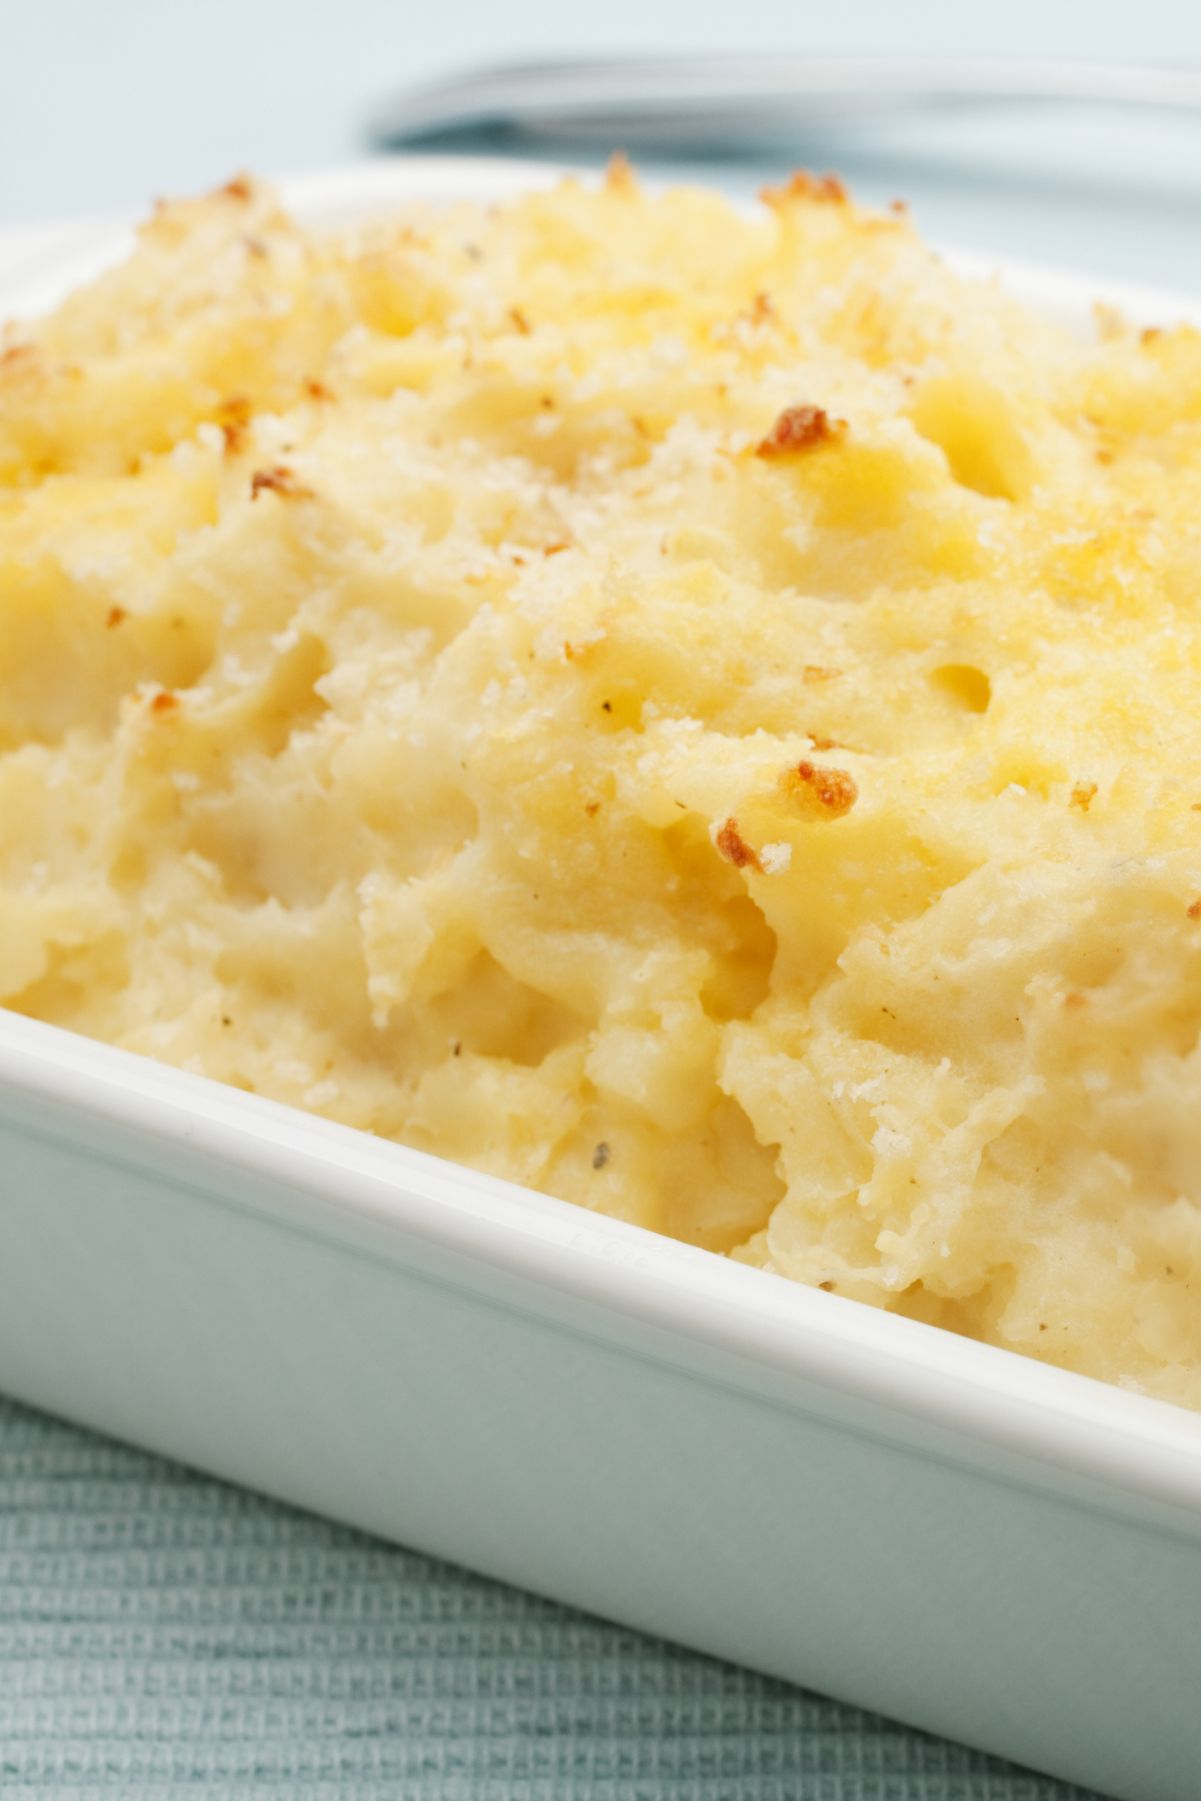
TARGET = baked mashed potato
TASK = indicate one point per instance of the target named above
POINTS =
(696, 713)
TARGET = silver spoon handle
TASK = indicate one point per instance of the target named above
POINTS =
(663, 99)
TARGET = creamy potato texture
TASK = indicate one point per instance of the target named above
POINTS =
(696, 713)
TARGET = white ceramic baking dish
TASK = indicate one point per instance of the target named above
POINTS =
(998, 1551)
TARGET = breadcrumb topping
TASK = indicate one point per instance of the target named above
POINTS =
(465, 676)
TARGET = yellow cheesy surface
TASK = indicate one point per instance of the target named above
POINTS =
(696, 712)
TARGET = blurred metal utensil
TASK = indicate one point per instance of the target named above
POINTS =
(718, 100)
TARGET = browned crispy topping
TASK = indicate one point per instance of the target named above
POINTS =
(552, 550)
(280, 480)
(518, 321)
(16, 353)
(827, 1287)
(734, 847)
(116, 615)
(233, 418)
(254, 247)
(164, 702)
(1149, 334)
(1194, 911)
(801, 185)
(600, 1155)
(1073, 1000)
(619, 173)
(1082, 795)
(821, 743)
(592, 808)
(834, 791)
(801, 428)
(762, 308)
(316, 390)
(816, 672)
(239, 188)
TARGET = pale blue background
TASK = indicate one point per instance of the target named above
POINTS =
(104, 102)
(163, 1636)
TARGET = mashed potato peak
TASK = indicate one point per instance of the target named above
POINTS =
(696, 713)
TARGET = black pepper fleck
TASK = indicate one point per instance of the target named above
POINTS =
(600, 1156)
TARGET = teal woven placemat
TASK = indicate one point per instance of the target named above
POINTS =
(162, 1635)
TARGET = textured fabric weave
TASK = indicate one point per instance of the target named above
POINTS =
(162, 1635)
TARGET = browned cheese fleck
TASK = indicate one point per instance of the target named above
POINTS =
(734, 847)
(801, 428)
(828, 792)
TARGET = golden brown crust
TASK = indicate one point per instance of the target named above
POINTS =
(801, 428)
(834, 791)
(233, 418)
(1082, 796)
(825, 190)
(239, 187)
(734, 848)
(619, 173)
(278, 480)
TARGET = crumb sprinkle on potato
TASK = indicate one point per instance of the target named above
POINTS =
(691, 710)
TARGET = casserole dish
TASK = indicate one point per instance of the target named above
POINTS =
(979, 1544)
